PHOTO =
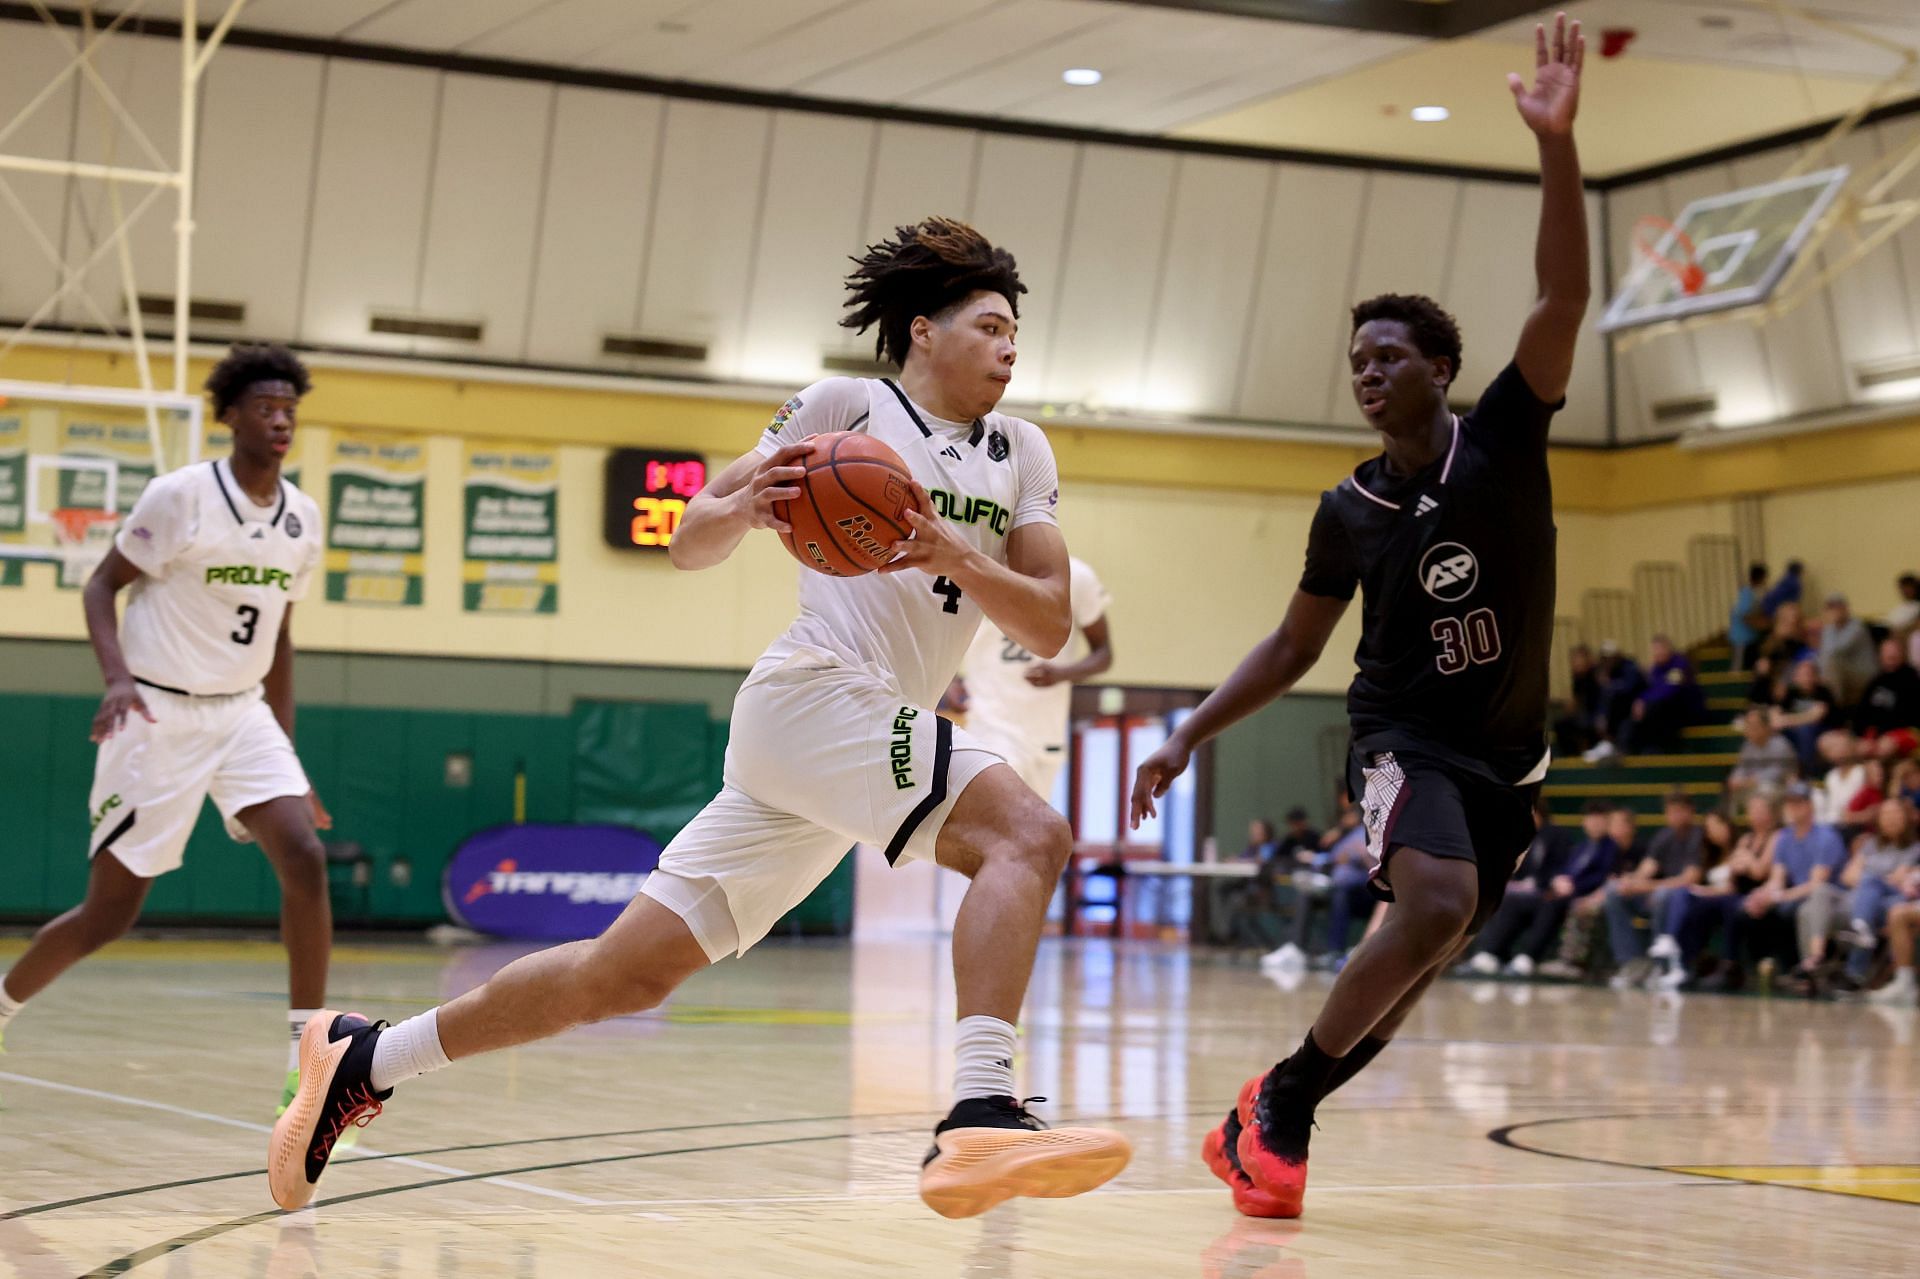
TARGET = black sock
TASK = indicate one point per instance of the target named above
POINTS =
(1304, 1077)
(1345, 1068)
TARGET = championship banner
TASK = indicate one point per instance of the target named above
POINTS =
(376, 507)
(13, 493)
(511, 532)
(217, 442)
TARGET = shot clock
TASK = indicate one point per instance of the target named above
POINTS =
(647, 494)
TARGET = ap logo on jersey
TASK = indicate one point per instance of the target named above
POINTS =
(1449, 572)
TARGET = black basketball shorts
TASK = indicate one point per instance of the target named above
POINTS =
(1414, 801)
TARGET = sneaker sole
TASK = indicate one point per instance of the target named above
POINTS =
(293, 1131)
(978, 1168)
(1283, 1184)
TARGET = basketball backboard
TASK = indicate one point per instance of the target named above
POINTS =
(1722, 252)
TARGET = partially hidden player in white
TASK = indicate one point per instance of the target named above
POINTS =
(834, 741)
(1017, 705)
(199, 699)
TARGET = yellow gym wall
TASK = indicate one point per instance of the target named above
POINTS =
(1199, 538)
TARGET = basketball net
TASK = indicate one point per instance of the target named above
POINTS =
(1649, 233)
(73, 529)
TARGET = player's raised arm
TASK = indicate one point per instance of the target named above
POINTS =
(741, 497)
(1561, 264)
(1274, 666)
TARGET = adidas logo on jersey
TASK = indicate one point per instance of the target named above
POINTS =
(1425, 504)
(951, 452)
(259, 533)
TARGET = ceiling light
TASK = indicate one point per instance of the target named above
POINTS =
(1430, 115)
(1081, 76)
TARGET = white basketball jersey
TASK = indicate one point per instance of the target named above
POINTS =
(986, 479)
(1000, 702)
(218, 574)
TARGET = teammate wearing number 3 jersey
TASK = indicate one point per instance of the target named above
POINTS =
(1449, 537)
(834, 741)
(199, 675)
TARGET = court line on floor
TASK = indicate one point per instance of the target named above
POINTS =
(1504, 1136)
(250, 1126)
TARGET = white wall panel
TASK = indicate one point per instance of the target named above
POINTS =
(1115, 252)
(817, 180)
(1801, 350)
(1869, 300)
(1297, 350)
(258, 117)
(1021, 196)
(701, 243)
(29, 59)
(1896, 135)
(483, 208)
(1406, 231)
(593, 227)
(1198, 327)
(370, 199)
(1489, 283)
(144, 75)
(1585, 419)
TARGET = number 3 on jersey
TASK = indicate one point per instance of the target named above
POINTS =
(1467, 641)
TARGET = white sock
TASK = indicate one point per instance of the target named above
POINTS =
(983, 1058)
(409, 1049)
(297, 1019)
(1904, 978)
(9, 1006)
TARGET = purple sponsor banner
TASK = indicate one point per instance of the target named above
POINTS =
(554, 883)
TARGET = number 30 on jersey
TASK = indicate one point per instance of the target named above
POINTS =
(1473, 640)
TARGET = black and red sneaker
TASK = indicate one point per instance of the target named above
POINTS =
(336, 1094)
(1274, 1130)
(1221, 1152)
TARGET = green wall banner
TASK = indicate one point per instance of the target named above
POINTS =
(376, 518)
(13, 492)
(510, 534)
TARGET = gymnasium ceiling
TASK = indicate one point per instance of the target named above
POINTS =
(1322, 75)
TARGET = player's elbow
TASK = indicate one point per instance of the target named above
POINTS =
(1053, 636)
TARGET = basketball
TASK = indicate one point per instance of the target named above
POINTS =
(852, 506)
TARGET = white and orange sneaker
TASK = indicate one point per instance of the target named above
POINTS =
(335, 1095)
(990, 1149)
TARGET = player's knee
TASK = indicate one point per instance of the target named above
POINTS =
(1045, 842)
(303, 864)
(606, 989)
(1442, 915)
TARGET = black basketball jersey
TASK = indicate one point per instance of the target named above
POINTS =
(1456, 570)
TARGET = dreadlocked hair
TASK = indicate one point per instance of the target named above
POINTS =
(924, 269)
(247, 364)
(1434, 332)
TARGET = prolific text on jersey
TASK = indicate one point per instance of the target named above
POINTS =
(249, 575)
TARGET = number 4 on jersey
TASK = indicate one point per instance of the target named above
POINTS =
(950, 591)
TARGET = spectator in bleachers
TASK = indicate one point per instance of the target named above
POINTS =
(1846, 778)
(1905, 615)
(1802, 888)
(1710, 908)
(1747, 623)
(1575, 953)
(1300, 844)
(1807, 709)
(1785, 591)
(1767, 760)
(1674, 862)
(1575, 728)
(1888, 717)
(1905, 781)
(1621, 685)
(1847, 659)
(1528, 920)
(1883, 872)
(1294, 868)
(1672, 701)
(1348, 870)
(1903, 929)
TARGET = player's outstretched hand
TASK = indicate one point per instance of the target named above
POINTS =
(1043, 675)
(1155, 775)
(122, 699)
(1550, 105)
(934, 547)
(322, 819)
(776, 479)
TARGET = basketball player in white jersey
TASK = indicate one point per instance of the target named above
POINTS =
(834, 742)
(199, 697)
(1017, 705)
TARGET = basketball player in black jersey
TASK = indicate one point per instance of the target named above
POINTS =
(1449, 535)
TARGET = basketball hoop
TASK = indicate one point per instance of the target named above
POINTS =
(75, 522)
(1649, 233)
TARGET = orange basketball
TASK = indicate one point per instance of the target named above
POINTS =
(852, 506)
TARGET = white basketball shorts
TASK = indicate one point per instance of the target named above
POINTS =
(820, 757)
(149, 780)
(1038, 765)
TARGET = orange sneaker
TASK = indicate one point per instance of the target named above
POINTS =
(1272, 1148)
(335, 1094)
(1220, 1150)
(990, 1149)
